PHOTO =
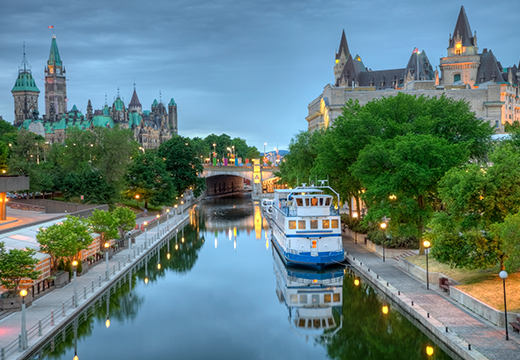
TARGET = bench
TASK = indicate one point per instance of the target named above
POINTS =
(444, 284)
(516, 324)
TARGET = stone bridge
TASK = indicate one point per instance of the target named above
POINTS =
(228, 179)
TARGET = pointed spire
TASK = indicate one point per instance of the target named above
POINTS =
(463, 30)
(134, 102)
(54, 55)
(343, 46)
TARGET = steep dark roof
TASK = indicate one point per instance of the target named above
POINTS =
(425, 68)
(134, 102)
(489, 69)
(463, 30)
(343, 46)
(381, 79)
(54, 55)
(353, 67)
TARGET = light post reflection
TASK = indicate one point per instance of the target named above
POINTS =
(107, 322)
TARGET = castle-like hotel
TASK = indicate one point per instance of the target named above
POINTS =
(150, 127)
(478, 78)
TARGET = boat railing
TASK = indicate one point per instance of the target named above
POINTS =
(322, 282)
(288, 211)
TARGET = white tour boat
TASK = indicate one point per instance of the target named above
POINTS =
(306, 226)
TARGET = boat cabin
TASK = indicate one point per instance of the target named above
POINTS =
(304, 202)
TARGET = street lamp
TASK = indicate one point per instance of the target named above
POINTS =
(168, 219)
(75, 264)
(427, 245)
(384, 309)
(429, 350)
(503, 275)
(137, 200)
(383, 226)
(145, 240)
(107, 245)
(23, 294)
(182, 208)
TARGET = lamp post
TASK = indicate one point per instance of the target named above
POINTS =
(503, 275)
(182, 208)
(168, 219)
(137, 200)
(427, 245)
(75, 264)
(23, 294)
(107, 245)
(355, 215)
(383, 226)
(145, 239)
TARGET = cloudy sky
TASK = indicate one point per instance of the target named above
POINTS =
(245, 68)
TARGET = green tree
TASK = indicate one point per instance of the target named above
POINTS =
(149, 178)
(508, 233)
(16, 265)
(92, 184)
(476, 199)
(64, 240)
(104, 223)
(125, 219)
(183, 165)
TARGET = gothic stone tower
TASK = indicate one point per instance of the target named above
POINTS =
(25, 94)
(172, 116)
(341, 58)
(463, 61)
(55, 83)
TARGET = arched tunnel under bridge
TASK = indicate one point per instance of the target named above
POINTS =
(224, 184)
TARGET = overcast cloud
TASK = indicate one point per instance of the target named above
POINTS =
(245, 68)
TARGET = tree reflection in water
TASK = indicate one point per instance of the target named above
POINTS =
(370, 334)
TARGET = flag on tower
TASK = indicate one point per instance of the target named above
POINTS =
(51, 27)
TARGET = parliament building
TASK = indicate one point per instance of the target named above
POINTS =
(465, 73)
(151, 127)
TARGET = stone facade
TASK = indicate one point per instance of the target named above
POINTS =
(478, 78)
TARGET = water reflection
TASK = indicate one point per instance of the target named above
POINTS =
(313, 297)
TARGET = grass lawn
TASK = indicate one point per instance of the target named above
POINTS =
(484, 285)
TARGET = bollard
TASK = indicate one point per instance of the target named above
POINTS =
(99, 280)
(3, 353)
(369, 270)
(398, 292)
(378, 276)
(63, 309)
(387, 283)
(427, 315)
(412, 303)
(446, 329)
(469, 346)
(353, 258)
(85, 292)
(52, 318)
(129, 258)
(39, 328)
(360, 263)
(73, 301)
(114, 270)
(124, 261)
(20, 343)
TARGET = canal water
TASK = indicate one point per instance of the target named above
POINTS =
(223, 293)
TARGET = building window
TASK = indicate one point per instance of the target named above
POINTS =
(456, 77)
(496, 124)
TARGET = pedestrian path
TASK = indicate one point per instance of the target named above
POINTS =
(483, 336)
(57, 307)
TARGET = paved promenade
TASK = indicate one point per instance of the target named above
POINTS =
(10, 327)
(473, 329)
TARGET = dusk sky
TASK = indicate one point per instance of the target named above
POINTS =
(245, 68)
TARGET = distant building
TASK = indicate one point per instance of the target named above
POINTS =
(465, 74)
(151, 127)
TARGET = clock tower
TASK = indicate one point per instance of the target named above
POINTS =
(55, 84)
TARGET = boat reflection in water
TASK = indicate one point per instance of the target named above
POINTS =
(313, 297)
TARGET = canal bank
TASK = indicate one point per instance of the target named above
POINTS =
(50, 313)
(432, 309)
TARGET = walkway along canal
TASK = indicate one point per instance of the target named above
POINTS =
(223, 293)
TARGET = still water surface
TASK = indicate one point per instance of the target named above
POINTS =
(225, 294)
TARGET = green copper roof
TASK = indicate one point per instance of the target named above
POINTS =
(155, 103)
(146, 112)
(25, 82)
(119, 105)
(74, 108)
(106, 110)
(60, 125)
(134, 119)
(102, 121)
(172, 102)
(54, 56)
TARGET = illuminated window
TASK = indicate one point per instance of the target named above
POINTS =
(336, 298)
(456, 77)
(327, 298)
(314, 224)
(301, 224)
(316, 323)
(335, 224)
(314, 201)
(299, 202)
(315, 299)
(294, 298)
(301, 323)
(326, 224)
(292, 224)
(303, 299)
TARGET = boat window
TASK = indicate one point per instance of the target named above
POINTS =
(335, 224)
(336, 298)
(292, 224)
(303, 299)
(321, 201)
(299, 202)
(294, 298)
(323, 323)
(307, 202)
(316, 323)
(326, 224)
(301, 224)
(301, 323)
(331, 321)
(315, 299)
(314, 201)
(327, 202)
(327, 298)
(314, 224)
